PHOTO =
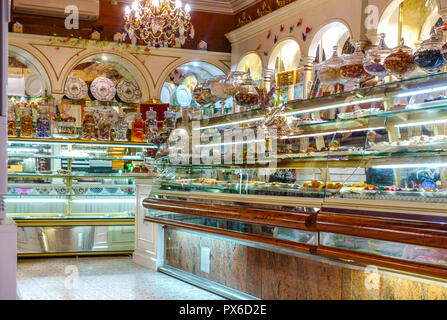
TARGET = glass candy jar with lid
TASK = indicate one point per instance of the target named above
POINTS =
(121, 127)
(104, 126)
(151, 123)
(43, 123)
(374, 62)
(247, 95)
(400, 62)
(221, 87)
(137, 132)
(429, 56)
(169, 122)
(330, 69)
(11, 122)
(89, 125)
(26, 123)
(202, 93)
(352, 68)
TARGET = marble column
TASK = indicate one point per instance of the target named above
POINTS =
(307, 63)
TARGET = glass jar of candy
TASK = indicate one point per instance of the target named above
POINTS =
(89, 125)
(104, 126)
(26, 123)
(374, 62)
(43, 129)
(202, 94)
(137, 133)
(12, 123)
(329, 72)
(151, 122)
(352, 68)
(221, 87)
(121, 127)
(429, 56)
(169, 122)
(247, 95)
(401, 61)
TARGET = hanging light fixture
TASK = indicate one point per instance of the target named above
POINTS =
(159, 23)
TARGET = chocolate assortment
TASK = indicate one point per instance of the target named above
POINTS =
(430, 60)
(400, 63)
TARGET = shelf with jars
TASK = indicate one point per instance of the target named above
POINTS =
(371, 160)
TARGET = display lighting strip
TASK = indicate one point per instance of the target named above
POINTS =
(104, 201)
(339, 105)
(107, 145)
(411, 165)
(21, 200)
(230, 143)
(422, 91)
(229, 124)
(423, 123)
(330, 133)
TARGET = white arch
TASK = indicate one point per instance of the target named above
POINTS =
(132, 71)
(289, 41)
(250, 53)
(32, 62)
(341, 31)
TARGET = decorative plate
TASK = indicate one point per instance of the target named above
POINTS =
(103, 89)
(183, 96)
(76, 88)
(166, 93)
(34, 85)
(128, 91)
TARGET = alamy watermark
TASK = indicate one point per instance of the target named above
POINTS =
(72, 20)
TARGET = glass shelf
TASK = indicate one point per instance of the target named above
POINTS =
(37, 156)
(81, 142)
(72, 176)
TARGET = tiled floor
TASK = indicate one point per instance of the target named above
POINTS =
(104, 278)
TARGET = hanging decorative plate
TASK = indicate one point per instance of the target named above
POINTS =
(128, 92)
(76, 88)
(34, 85)
(166, 93)
(183, 96)
(103, 89)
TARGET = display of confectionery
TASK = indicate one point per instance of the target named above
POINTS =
(26, 123)
(247, 95)
(89, 131)
(12, 123)
(105, 126)
(43, 129)
(352, 68)
(429, 56)
(329, 70)
(401, 61)
(375, 59)
(121, 127)
(137, 130)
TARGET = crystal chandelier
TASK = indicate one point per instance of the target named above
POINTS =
(159, 23)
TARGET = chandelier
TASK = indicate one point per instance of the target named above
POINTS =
(159, 23)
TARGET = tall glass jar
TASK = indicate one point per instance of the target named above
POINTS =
(401, 61)
(429, 56)
(151, 123)
(104, 126)
(121, 127)
(12, 123)
(247, 95)
(352, 68)
(43, 123)
(89, 125)
(26, 123)
(374, 62)
(137, 133)
(169, 122)
(329, 73)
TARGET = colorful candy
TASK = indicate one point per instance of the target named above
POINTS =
(246, 99)
(400, 63)
(430, 60)
(354, 72)
(203, 96)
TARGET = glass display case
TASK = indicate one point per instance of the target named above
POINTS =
(73, 195)
(376, 153)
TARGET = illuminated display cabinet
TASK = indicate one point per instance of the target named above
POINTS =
(72, 195)
(361, 176)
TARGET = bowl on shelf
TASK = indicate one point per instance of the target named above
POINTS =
(44, 190)
(127, 190)
(61, 190)
(96, 190)
(77, 190)
(23, 191)
(112, 190)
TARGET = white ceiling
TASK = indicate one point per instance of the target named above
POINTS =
(215, 6)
